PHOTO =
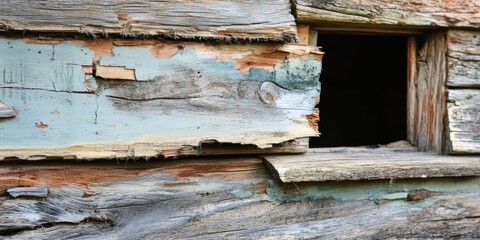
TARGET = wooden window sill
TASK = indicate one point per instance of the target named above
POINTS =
(361, 163)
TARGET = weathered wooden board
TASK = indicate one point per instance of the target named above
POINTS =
(427, 92)
(463, 118)
(344, 164)
(136, 98)
(225, 199)
(250, 20)
(463, 58)
(421, 13)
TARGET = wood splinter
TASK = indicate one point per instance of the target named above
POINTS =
(7, 111)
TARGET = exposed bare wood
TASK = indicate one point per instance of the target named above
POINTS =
(422, 13)
(430, 97)
(411, 90)
(231, 198)
(463, 58)
(87, 99)
(344, 164)
(7, 111)
(249, 20)
(303, 31)
(463, 129)
(41, 191)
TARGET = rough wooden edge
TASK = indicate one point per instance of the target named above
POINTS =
(345, 164)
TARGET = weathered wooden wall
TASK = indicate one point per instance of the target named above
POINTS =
(463, 81)
(224, 198)
(246, 20)
(141, 98)
(407, 13)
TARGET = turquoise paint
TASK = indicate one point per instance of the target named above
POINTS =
(43, 66)
(292, 74)
(41, 80)
(242, 193)
(367, 190)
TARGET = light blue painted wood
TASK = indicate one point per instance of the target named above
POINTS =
(170, 103)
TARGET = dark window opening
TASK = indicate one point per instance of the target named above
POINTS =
(363, 98)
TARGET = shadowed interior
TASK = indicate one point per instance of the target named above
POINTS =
(364, 89)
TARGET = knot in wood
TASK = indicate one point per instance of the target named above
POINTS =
(268, 93)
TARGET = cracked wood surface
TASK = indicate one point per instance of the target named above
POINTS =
(228, 198)
(463, 82)
(171, 98)
(400, 13)
(344, 164)
(245, 20)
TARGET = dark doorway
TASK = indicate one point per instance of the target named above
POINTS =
(363, 99)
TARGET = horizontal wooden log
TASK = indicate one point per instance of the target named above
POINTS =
(136, 98)
(245, 20)
(227, 198)
(463, 128)
(421, 13)
(343, 164)
(463, 58)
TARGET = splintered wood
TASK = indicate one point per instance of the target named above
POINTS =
(87, 99)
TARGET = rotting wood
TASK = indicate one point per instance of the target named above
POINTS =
(463, 128)
(420, 13)
(40, 191)
(344, 164)
(228, 198)
(257, 94)
(224, 21)
(463, 58)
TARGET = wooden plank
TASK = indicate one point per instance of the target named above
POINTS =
(412, 117)
(430, 96)
(463, 58)
(244, 20)
(167, 99)
(344, 164)
(463, 128)
(227, 198)
(420, 13)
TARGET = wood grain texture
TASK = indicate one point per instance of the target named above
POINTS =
(463, 58)
(245, 20)
(158, 98)
(463, 121)
(227, 198)
(421, 13)
(427, 97)
(345, 164)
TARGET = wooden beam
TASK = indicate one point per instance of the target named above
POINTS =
(116, 98)
(463, 59)
(224, 21)
(224, 198)
(418, 13)
(345, 164)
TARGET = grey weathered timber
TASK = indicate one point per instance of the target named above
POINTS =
(427, 92)
(40, 191)
(228, 198)
(421, 13)
(463, 58)
(463, 128)
(250, 20)
(343, 164)
(107, 98)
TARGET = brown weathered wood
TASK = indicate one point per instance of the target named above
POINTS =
(430, 94)
(421, 13)
(344, 164)
(227, 198)
(463, 128)
(249, 20)
(411, 89)
(463, 58)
